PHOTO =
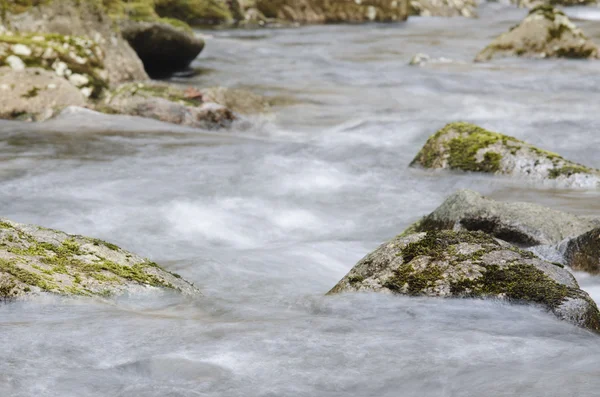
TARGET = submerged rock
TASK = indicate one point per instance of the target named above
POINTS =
(583, 252)
(167, 103)
(35, 260)
(34, 94)
(524, 224)
(443, 8)
(467, 147)
(545, 33)
(471, 265)
(163, 49)
(320, 11)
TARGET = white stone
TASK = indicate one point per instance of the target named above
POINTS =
(21, 49)
(78, 80)
(52, 86)
(86, 91)
(15, 63)
(60, 68)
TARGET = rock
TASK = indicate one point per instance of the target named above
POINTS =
(545, 33)
(167, 103)
(443, 8)
(238, 101)
(583, 252)
(535, 3)
(35, 94)
(524, 224)
(77, 59)
(162, 48)
(84, 19)
(198, 12)
(320, 11)
(471, 265)
(421, 59)
(35, 260)
(467, 147)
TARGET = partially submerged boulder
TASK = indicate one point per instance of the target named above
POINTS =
(321, 11)
(163, 48)
(545, 33)
(467, 147)
(583, 252)
(167, 103)
(524, 224)
(35, 94)
(471, 265)
(443, 8)
(34, 260)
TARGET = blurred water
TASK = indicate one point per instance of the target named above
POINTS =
(265, 219)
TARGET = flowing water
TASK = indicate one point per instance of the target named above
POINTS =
(267, 217)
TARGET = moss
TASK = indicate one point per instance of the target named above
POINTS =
(415, 227)
(356, 278)
(435, 243)
(106, 244)
(194, 11)
(569, 171)
(407, 280)
(25, 276)
(32, 93)
(463, 151)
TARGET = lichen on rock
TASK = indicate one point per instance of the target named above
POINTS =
(468, 264)
(583, 252)
(35, 260)
(545, 33)
(443, 8)
(468, 147)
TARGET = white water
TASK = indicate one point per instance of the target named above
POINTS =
(265, 219)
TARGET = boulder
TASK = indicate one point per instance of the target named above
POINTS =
(35, 260)
(545, 33)
(86, 19)
(471, 265)
(237, 100)
(323, 11)
(567, 3)
(523, 224)
(34, 94)
(167, 103)
(443, 8)
(583, 252)
(467, 147)
(163, 48)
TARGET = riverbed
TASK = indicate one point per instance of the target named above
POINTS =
(266, 217)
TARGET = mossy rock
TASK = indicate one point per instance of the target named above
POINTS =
(77, 59)
(469, 264)
(334, 11)
(35, 260)
(524, 224)
(545, 33)
(195, 12)
(167, 103)
(443, 8)
(467, 147)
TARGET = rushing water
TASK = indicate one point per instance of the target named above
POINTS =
(267, 217)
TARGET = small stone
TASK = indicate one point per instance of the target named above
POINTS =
(78, 80)
(21, 49)
(15, 63)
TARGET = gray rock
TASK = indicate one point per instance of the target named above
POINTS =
(444, 8)
(34, 260)
(34, 94)
(470, 265)
(545, 33)
(162, 48)
(583, 252)
(167, 103)
(467, 147)
(524, 224)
